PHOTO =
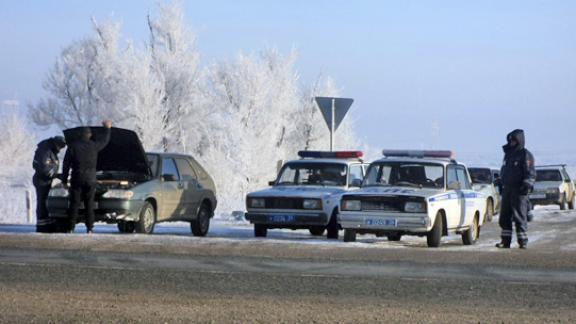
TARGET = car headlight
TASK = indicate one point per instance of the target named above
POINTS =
(553, 191)
(415, 207)
(256, 203)
(351, 205)
(118, 194)
(311, 204)
(58, 192)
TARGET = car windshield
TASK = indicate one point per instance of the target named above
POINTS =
(313, 174)
(405, 174)
(548, 175)
(480, 175)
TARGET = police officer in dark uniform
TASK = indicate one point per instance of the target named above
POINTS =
(45, 165)
(517, 179)
(82, 156)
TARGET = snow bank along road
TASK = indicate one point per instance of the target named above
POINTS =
(290, 277)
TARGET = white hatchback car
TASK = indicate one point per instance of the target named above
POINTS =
(306, 193)
(423, 193)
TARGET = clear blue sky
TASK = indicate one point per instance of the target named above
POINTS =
(471, 69)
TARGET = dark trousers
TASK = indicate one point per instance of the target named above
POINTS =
(514, 210)
(82, 192)
(43, 222)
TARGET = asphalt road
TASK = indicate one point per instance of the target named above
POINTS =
(290, 277)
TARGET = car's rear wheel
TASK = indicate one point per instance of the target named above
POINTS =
(201, 224)
(572, 202)
(126, 227)
(489, 211)
(260, 230)
(563, 202)
(470, 236)
(349, 235)
(333, 227)
(317, 230)
(147, 219)
(394, 237)
(434, 236)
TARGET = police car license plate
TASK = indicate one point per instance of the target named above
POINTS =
(281, 218)
(537, 196)
(381, 222)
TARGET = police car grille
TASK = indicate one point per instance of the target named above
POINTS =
(381, 204)
(284, 203)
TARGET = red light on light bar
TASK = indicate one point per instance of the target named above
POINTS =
(419, 154)
(334, 154)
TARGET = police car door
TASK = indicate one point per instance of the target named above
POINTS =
(469, 196)
(172, 190)
(455, 203)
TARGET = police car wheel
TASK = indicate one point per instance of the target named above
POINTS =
(317, 230)
(489, 211)
(126, 227)
(470, 236)
(434, 236)
(147, 219)
(333, 227)
(260, 230)
(349, 235)
(201, 224)
(572, 202)
(394, 237)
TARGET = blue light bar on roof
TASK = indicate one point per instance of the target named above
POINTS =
(419, 154)
(331, 155)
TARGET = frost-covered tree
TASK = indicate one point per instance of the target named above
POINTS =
(175, 62)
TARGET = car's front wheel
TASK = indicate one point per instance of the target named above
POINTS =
(333, 227)
(394, 237)
(434, 236)
(147, 219)
(489, 211)
(572, 202)
(201, 224)
(563, 202)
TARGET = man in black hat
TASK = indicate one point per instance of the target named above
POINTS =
(517, 179)
(45, 165)
(82, 156)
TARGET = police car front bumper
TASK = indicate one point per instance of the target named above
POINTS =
(389, 222)
(288, 218)
(108, 210)
(544, 198)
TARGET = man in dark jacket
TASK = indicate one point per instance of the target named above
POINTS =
(517, 178)
(45, 165)
(82, 156)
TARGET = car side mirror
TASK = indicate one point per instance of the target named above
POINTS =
(169, 177)
(356, 183)
(454, 185)
(271, 183)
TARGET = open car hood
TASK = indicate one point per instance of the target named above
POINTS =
(124, 152)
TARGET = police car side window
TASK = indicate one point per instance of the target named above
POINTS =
(186, 170)
(451, 175)
(169, 168)
(463, 178)
(355, 172)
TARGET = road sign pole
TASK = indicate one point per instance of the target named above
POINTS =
(333, 124)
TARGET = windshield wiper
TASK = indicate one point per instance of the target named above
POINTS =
(409, 184)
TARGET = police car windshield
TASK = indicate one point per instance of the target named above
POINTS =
(313, 174)
(480, 175)
(405, 174)
(548, 175)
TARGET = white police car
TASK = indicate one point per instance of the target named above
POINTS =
(306, 193)
(424, 193)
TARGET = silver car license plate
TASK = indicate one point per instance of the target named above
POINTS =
(390, 222)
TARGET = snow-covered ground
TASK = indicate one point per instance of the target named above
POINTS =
(551, 227)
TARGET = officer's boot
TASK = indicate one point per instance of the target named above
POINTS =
(505, 243)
